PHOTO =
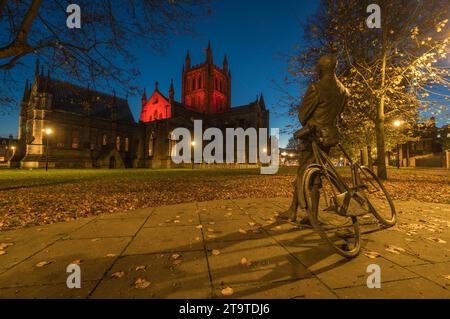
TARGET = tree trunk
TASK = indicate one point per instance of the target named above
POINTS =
(379, 125)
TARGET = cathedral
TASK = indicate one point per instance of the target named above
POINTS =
(63, 125)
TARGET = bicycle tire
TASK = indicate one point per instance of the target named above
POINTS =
(384, 221)
(312, 201)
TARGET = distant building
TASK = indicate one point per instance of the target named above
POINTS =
(427, 151)
(289, 156)
(8, 146)
(94, 129)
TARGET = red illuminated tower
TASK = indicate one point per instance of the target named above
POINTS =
(206, 88)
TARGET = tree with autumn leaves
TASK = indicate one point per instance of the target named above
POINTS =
(100, 53)
(398, 72)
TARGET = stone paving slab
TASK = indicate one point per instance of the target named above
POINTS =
(195, 250)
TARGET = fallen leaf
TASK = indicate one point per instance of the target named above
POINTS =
(245, 261)
(95, 239)
(197, 238)
(395, 249)
(211, 236)
(118, 274)
(199, 226)
(5, 245)
(242, 231)
(437, 240)
(177, 262)
(2, 252)
(251, 224)
(76, 262)
(446, 277)
(227, 291)
(215, 252)
(111, 255)
(141, 283)
(175, 256)
(138, 268)
(42, 264)
(211, 230)
(176, 221)
(372, 254)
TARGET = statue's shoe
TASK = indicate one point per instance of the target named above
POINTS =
(289, 215)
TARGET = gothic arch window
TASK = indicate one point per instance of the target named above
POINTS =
(171, 150)
(75, 139)
(118, 143)
(151, 142)
(104, 139)
(127, 144)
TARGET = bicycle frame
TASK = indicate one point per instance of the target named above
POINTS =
(325, 163)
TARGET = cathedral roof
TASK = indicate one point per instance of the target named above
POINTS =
(73, 98)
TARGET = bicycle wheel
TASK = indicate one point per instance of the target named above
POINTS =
(341, 232)
(379, 200)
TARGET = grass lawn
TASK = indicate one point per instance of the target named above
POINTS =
(36, 197)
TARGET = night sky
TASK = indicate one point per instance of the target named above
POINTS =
(252, 33)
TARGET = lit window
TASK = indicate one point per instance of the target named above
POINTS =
(172, 145)
(104, 140)
(75, 139)
(127, 144)
(118, 143)
(150, 145)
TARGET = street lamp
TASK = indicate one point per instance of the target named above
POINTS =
(398, 123)
(47, 132)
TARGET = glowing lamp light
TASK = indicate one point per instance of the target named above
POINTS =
(397, 123)
(47, 131)
(284, 153)
(193, 143)
(265, 150)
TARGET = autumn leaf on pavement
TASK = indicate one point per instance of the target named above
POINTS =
(76, 262)
(175, 256)
(245, 262)
(118, 274)
(138, 268)
(372, 254)
(437, 240)
(2, 252)
(242, 231)
(395, 249)
(228, 291)
(111, 255)
(199, 226)
(141, 283)
(5, 245)
(215, 252)
(42, 264)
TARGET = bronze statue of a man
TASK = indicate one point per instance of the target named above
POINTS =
(321, 107)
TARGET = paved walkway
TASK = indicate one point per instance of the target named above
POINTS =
(196, 250)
